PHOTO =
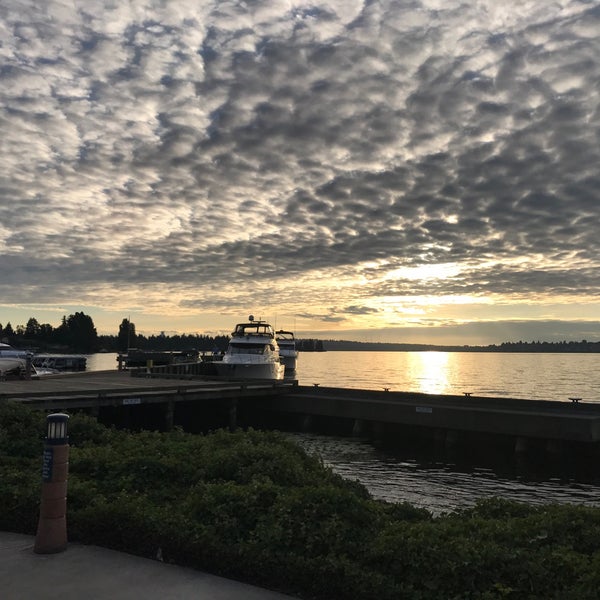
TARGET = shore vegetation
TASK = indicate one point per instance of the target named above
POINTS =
(253, 506)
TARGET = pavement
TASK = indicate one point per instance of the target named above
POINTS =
(97, 573)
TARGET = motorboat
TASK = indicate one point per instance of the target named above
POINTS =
(287, 349)
(60, 362)
(252, 353)
(18, 364)
(14, 363)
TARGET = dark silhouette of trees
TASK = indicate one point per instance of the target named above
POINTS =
(8, 331)
(83, 336)
(76, 333)
(126, 338)
(32, 329)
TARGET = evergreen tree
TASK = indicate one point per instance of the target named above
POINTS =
(8, 332)
(32, 329)
(127, 336)
(82, 333)
(61, 333)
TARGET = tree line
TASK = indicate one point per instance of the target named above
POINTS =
(77, 333)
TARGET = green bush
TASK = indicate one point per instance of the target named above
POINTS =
(253, 506)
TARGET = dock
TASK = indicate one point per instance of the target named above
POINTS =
(158, 399)
(103, 393)
(447, 423)
(551, 420)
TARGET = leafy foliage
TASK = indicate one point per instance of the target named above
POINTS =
(253, 506)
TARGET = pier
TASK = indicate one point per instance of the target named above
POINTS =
(158, 398)
(139, 399)
(448, 421)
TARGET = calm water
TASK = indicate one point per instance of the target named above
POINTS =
(443, 485)
(516, 375)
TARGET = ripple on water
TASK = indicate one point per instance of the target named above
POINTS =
(437, 486)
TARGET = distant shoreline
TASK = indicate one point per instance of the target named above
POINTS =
(530, 347)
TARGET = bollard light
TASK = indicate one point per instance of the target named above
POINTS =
(57, 429)
(52, 526)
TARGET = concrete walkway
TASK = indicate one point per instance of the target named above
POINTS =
(96, 573)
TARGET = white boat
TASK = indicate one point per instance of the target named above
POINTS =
(252, 353)
(18, 364)
(13, 362)
(287, 349)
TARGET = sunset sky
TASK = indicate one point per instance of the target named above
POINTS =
(409, 171)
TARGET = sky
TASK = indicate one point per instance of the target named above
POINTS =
(395, 171)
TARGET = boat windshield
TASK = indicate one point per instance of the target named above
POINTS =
(249, 348)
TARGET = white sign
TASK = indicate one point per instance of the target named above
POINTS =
(132, 400)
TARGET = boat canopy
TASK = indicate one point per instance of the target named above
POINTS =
(254, 328)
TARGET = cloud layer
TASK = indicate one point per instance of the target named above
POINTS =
(363, 163)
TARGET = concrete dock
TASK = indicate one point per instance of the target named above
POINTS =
(127, 388)
(549, 420)
(178, 399)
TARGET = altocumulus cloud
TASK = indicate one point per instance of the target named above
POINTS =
(355, 156)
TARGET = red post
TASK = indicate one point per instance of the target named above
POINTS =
(52, 526)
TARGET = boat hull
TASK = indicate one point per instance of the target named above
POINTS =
(289, 361)
(249, 370)
(12, 367)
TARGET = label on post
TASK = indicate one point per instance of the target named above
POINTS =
(47, 460)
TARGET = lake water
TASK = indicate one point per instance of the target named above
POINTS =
(516, 375)
(442, 485)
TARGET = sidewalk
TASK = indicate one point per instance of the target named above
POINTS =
(96, 573)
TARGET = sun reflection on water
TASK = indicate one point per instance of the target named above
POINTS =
(430, 371)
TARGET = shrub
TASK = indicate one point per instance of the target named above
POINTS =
(253, 506)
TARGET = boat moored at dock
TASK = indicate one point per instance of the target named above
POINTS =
(135, 357)
(252, 353)
(60, 362)
(287, 349)
(19, 364)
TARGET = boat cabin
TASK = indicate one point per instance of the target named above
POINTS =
(253, 328)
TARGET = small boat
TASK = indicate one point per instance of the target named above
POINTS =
(252, 353)
(287, 349)
(136, 357)
(60, 362)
